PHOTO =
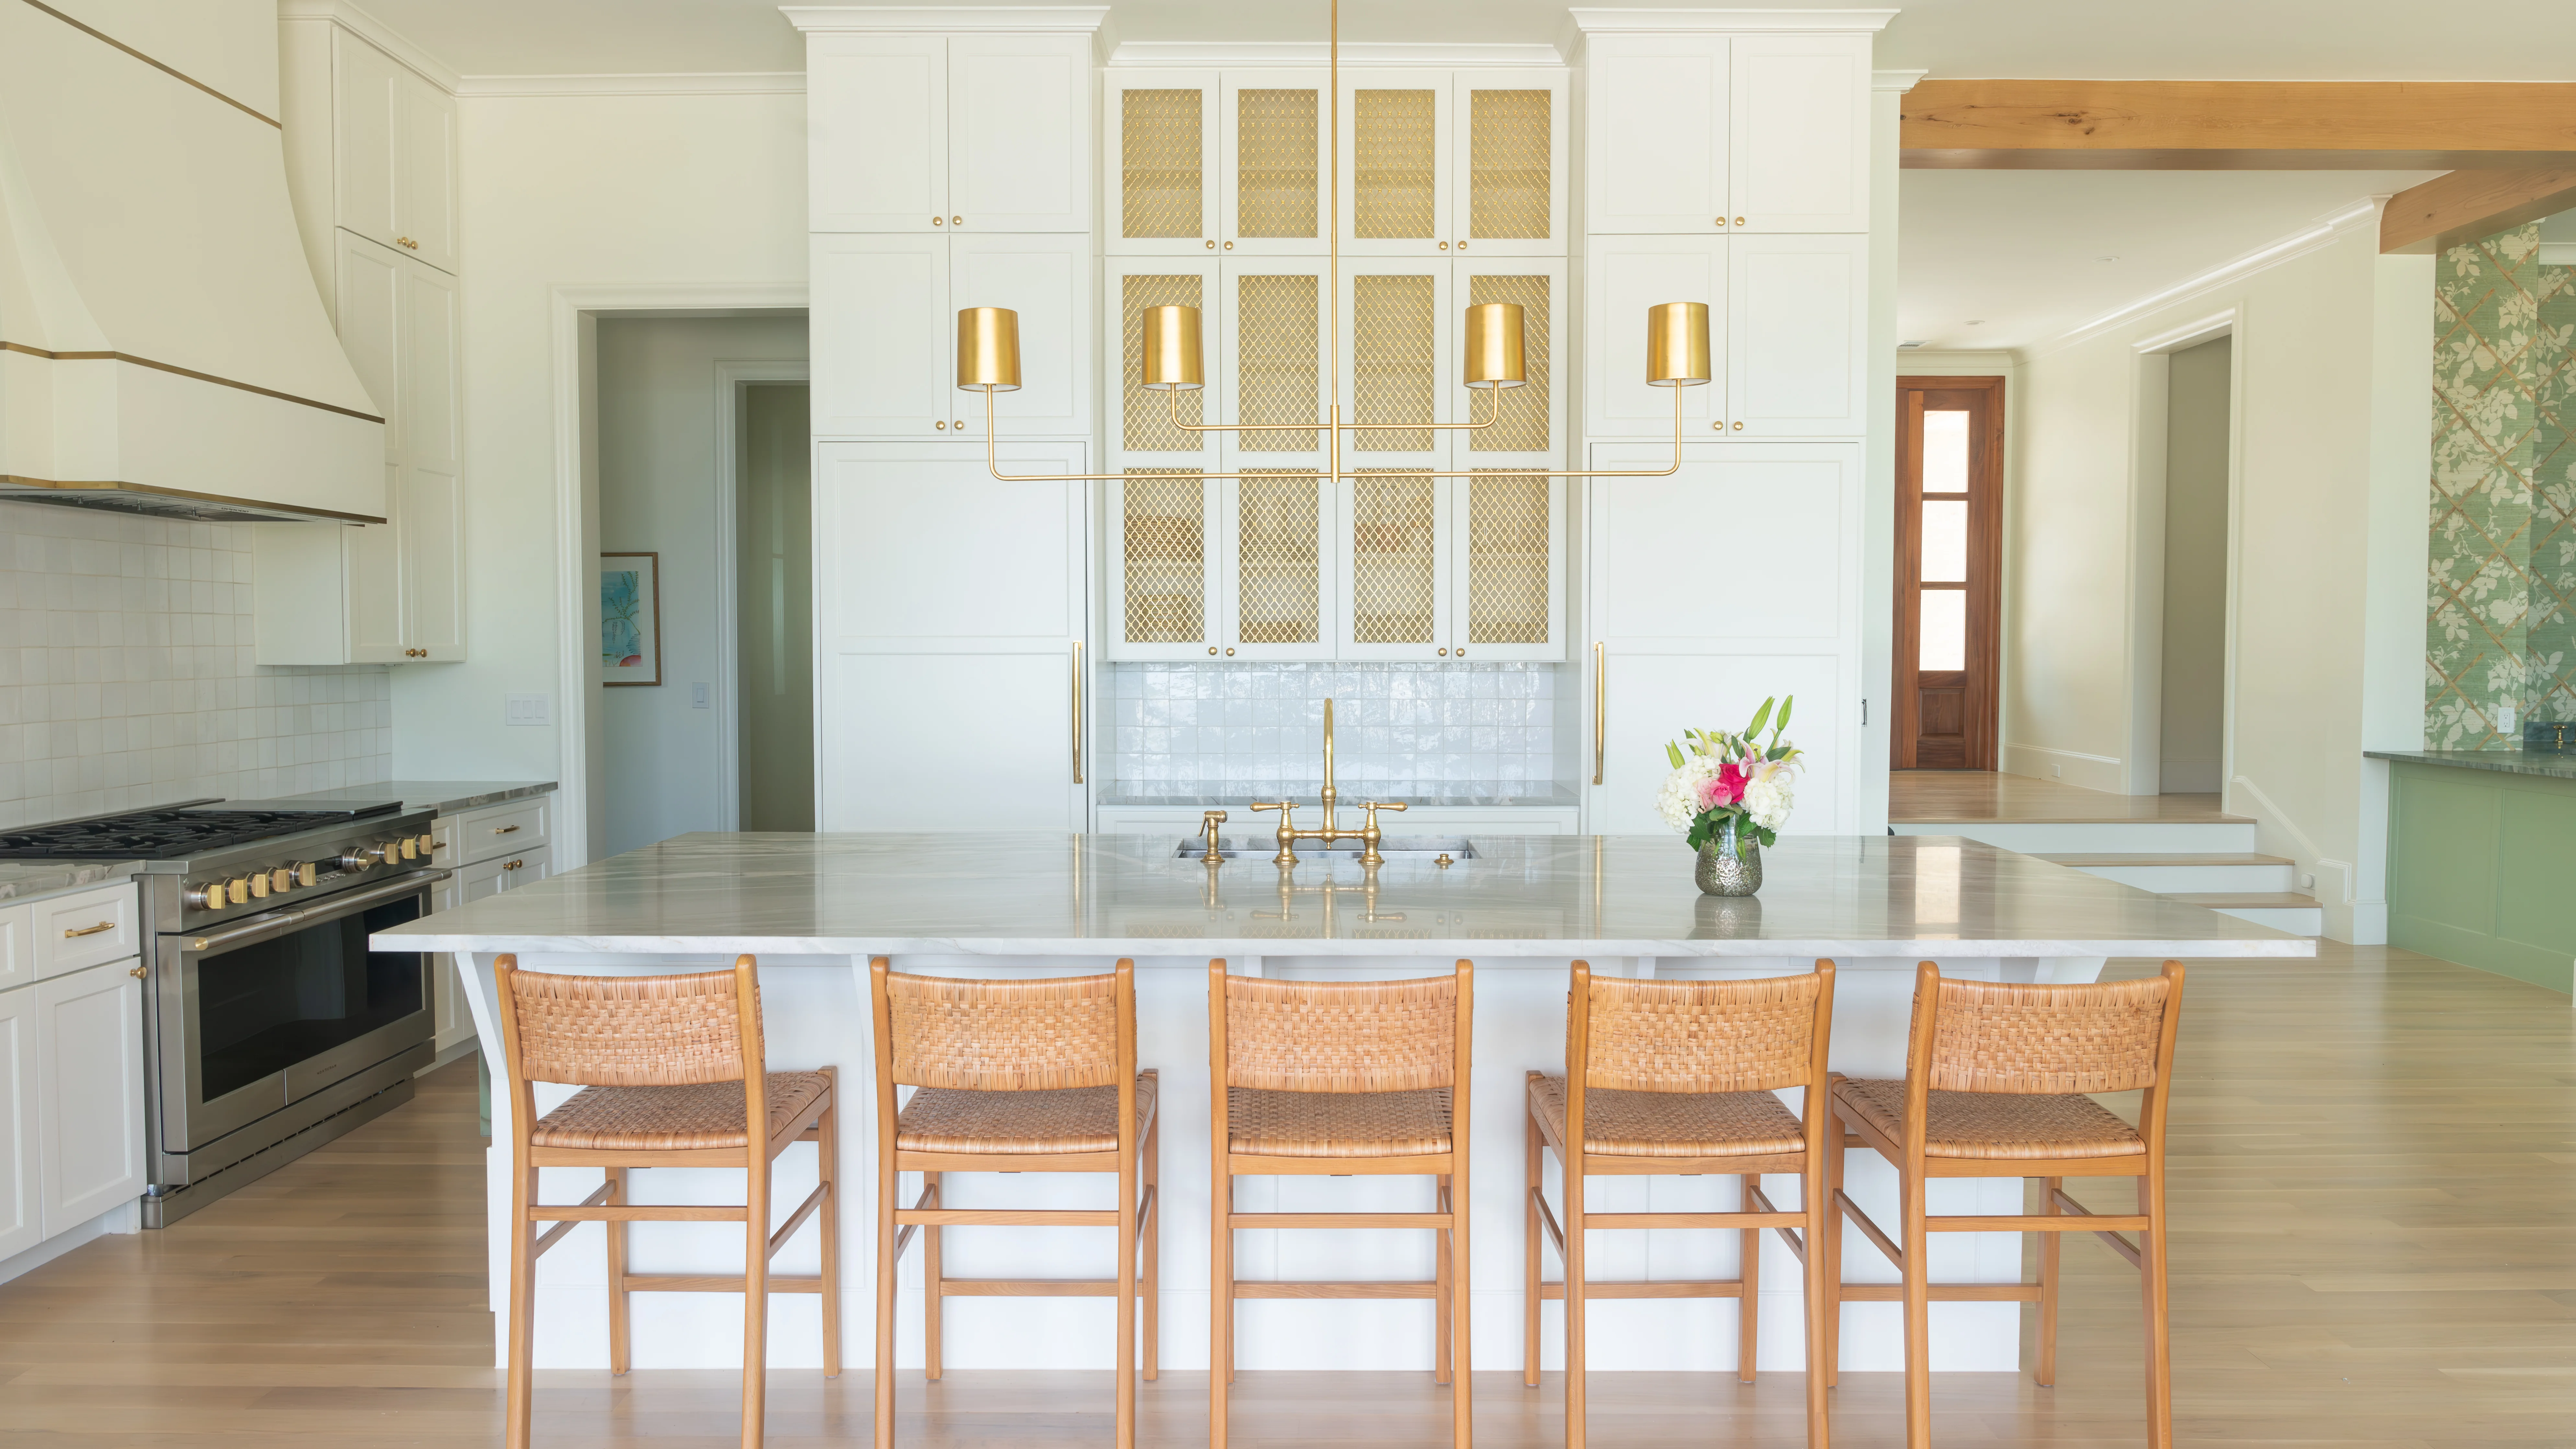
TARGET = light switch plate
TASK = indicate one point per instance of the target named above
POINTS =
(526, 709)
(697, 696)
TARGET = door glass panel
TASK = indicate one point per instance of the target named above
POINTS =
(1945, 630)
(1166, 556)
(1945, 452)
(1274, 163)
(1392, 361)
(1159, 163)
(263, 1008)
(1392, 174)
(1392, 552)
(1279, 570)
(1945, 541)
(1508, 165)
(1275, 360)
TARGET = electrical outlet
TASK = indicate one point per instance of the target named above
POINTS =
(697, 696)
(526, 709)
(2057, 772)
(2307, 881)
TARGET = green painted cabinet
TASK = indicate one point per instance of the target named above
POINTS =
(2482, 870)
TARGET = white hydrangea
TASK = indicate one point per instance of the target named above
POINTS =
(1769, 800)
(1678, 800)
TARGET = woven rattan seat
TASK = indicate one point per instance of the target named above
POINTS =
(702, 1114)
(1069, 1119)
(1337, 1124)
(1673, 1124)
(1994, 1127)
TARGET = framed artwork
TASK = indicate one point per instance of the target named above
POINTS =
(630, 618)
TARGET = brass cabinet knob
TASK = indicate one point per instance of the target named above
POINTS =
(941, 425)
(961, 425)
(936, 221)
(408, 242)
(1739, 425)
(1444, 246)
(1462, 653)
(1229, 246)
(1462, 246)
(1229, 651)
(1211, 649)
(135, 971)
(956, 221)
(1739, 221)
(1716, 426)
(1211, 243)
(1444, 653)
(1721, 221)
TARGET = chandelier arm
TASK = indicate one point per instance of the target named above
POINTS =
(1574, 472)
(992, 463)
(1172, 406)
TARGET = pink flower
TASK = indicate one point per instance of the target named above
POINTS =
(1726, 789)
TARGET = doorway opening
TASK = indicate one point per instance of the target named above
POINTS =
(2192, 701)
(773, 609)
(1949, 551)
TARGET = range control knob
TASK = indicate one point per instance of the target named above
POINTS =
(238, 889)
(390, 851)
(358, 857)
(207, 897)
(306, 872)
(428, 844)
(281, 880)
(259, 885)
(410, 847)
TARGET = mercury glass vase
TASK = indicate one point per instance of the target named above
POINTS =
(1729, 865)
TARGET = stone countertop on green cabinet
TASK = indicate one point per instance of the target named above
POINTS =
(2504, 762)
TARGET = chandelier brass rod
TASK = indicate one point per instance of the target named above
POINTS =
(1172, 402)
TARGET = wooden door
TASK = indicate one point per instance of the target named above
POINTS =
(1046, 278)
(424, 187)
(1627, 275)
(1949, 552)
(429, 509)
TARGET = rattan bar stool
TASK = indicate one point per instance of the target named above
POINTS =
(1012, 1076)
(1996, 1084)
(672, 1075)
(1678, 1078)
(1332, 1079)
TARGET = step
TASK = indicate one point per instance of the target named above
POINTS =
(2177, 872)
(2034, 837)
(2281, 910)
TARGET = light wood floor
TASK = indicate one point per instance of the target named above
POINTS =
(2374, 1198)
(1939, 796)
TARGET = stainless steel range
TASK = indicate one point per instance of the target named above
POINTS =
(269, 1026)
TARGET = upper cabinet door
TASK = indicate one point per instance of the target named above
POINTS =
(1275, 565)
(877, 124)
(1626, 276)
(1528, 430)
(1141, 432)
(1507, 165)
(1509, 578)
(425, 171)
(1020, 143)
(1797, 336)
(883, 337)
(1271, 171)
(1655, 140)
(429, 367)
(366, 130)
(1045, 278)
(1399, 365)
(1395, 152)
(369, 283)
(1159, 189)
(1799, 137)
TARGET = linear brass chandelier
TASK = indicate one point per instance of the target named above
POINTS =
(988, 355)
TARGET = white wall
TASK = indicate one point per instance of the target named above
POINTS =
(2322, 341)
(557, 192)
(658, 399)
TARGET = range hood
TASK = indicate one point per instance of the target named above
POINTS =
(163, 349)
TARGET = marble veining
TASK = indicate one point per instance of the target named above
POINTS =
(2505, 762)
(447, 797)
(1534, 897)
(31, 880)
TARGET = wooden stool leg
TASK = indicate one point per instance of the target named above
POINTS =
(1149, 1282)
(1535, 1147)
(1440, 1201)
(1918, 1316)
(1462, 1375)
(1220, 1299)
(1829, 1210)
(933, 1279)
(523, 1303)
(1572, 1223)
(755, 1308)
(1748, 1309)
(887, 1183)
(827, 1164)
(1824, 1222)
(2046, 1356)
(620, 1344)
(2151, 1244)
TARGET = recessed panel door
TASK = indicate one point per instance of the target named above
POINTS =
(1626, 275)
(21, 1220)
(1655, 148)
(1020, 143)
(877, 129)
(885, 365)
(1046, 279)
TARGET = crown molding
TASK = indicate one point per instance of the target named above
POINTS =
(1899, 81)
(882, 19)
(376, 33)
(1317, 52)
(2328, 229)
(711, 83)
(1624, 21)
(2558, 254)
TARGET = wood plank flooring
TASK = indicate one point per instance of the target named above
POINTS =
(2374, 1196)
(1940, 796)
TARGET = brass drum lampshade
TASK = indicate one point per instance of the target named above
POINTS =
(1172, 350)
(1494, 356)
(1677, 344)
(988, 349)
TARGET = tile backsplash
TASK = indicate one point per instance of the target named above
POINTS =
(126, 677)
(1394, 724)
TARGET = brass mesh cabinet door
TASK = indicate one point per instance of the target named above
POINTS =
(1529, 426)
(1159, 179)
(1508, 163)
(1160, 557)
(1398, 361)
(1144, 420)
(1396, 129)
(1273, 163)
(1512, 583)
(1276, 524)
(1396, 527)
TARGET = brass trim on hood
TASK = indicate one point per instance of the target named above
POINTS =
(14, 488)
(97, 34)
(185, 372)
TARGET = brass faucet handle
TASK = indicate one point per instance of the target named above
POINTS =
(1369, 835)
(1287, 832)
(1208, 822)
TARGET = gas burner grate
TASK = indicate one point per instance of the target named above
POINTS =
(156, 834)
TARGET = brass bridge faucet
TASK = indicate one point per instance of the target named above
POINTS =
(1288, 834)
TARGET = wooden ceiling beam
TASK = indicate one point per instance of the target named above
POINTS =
(2448, 211)
(2237, 125)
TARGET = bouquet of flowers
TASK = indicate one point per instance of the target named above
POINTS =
(1720, 778)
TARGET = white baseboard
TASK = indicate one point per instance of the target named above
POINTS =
(454, 1051)
(125, 1217)
(2065, 767)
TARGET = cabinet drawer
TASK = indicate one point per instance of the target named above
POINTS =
(479, 835)
(83, 930)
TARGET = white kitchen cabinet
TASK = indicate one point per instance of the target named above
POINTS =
(1507, 579)
(1046, 278)
(1797, 336)
(1798, 133)
(89, 1029)
(1231, 568)
(83, 929)
(22, 1223)
(1655, 141)
(886, 364)
(1708, 134)
(17, 946)
(1159, 192)
(393, 153)
(931, 133)
(487, 850)
(1624, 277)
(1397, 187)
(951, 614)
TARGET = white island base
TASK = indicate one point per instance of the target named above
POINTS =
(815, 909)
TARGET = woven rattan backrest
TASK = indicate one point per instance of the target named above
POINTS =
(1004, 1036)
(627, 1031)
(1701, 1036)
(1994, 1037)
(1341, 1036)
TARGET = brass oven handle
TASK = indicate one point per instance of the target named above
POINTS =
(90, 930)
(1077, 711)
(1600, 705)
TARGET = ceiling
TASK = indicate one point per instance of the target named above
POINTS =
(2034, 254)
(2170, 40)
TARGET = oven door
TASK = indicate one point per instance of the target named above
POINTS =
(276, 1008)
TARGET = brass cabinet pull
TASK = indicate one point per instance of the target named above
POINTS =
(1739, 221)
(1444, 652)
(937, 221)
(505, 829)
(956, 221)
(1211, 649)
(1462, 246)
(1444, 246)
(90, 930)
(941, 425)
(961, 425)
(408, 242)
(1211, 244)
(1077, 711)
(136, 973)
(1600, 704)
(1739, 425)
(1229, 653)
(1229, 246)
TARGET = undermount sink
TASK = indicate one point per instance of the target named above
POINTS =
(1393, 847)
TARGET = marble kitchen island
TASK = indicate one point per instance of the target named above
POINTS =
(815, 908)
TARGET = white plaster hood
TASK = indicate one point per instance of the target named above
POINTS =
(162, 347)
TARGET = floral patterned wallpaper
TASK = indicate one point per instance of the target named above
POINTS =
(2500, 634)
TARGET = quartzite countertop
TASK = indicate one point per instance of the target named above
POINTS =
(446, 797)
(33, 880)
(1519, 896)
